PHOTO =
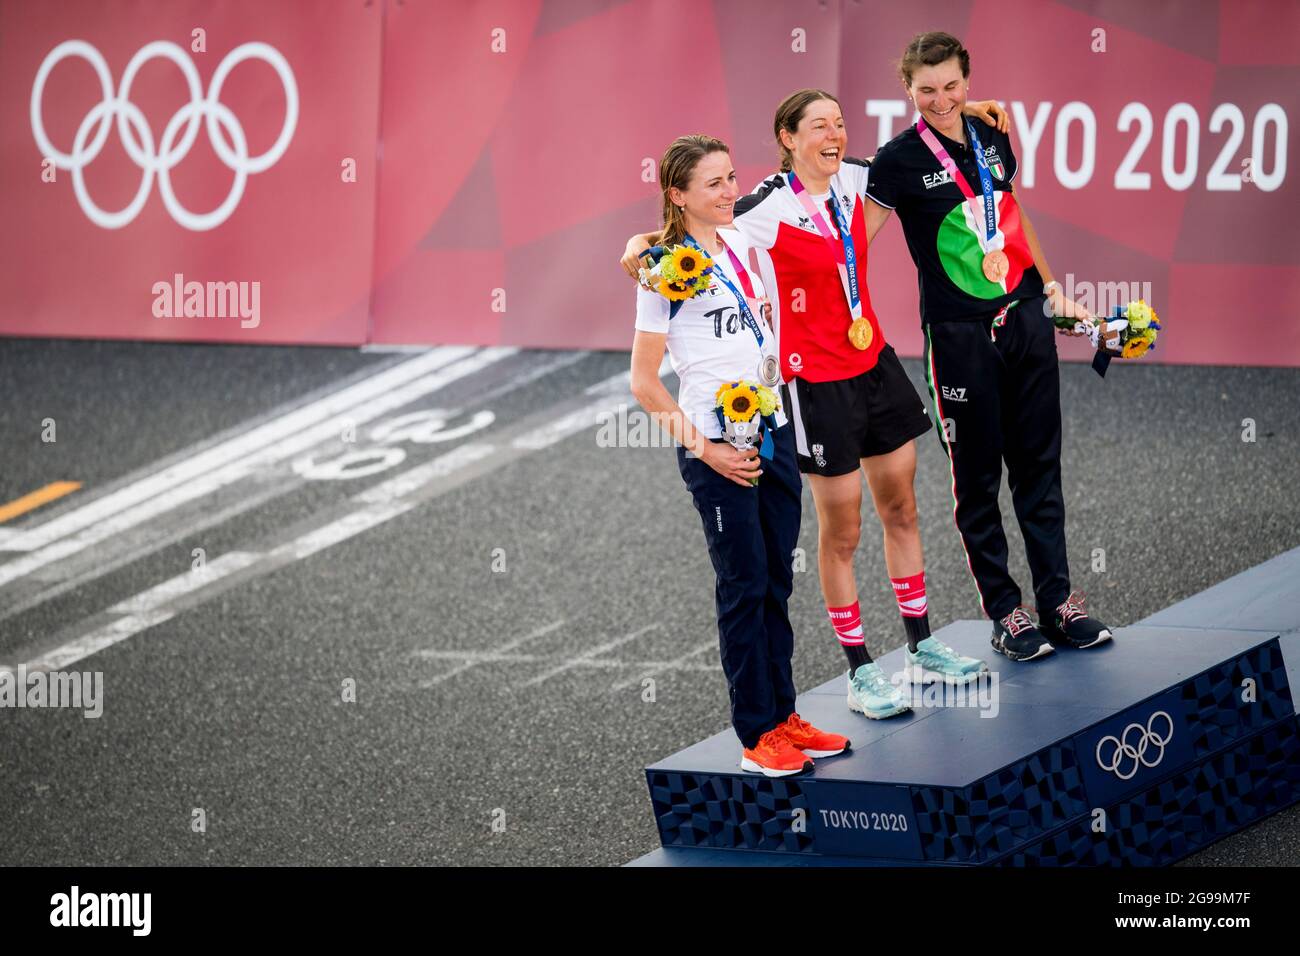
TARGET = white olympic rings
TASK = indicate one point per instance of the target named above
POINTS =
(131, 124)
(1124, 751)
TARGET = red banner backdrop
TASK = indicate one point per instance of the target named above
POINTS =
(468, 171)
(298, 242)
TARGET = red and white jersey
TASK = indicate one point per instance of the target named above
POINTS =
(799, 268)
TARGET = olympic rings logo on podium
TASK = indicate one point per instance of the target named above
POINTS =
(1124, 751)
(131, 124)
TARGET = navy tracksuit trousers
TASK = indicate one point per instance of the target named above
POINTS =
(996, 388)
(752, 534)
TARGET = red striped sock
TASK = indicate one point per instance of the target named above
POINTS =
(847, 622)
(910, 594)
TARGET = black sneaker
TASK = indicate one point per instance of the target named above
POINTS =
(1017, 637)
(1070, 625)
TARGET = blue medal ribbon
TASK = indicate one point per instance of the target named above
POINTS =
(986, 184)
(846, 239)
(850, 255)
(746, 315)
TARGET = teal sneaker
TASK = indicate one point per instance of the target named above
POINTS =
(871, 693)
(936, 661)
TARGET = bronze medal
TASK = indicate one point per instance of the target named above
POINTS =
(995, 265)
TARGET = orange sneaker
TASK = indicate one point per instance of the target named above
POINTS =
(775, 756)
(813, 742)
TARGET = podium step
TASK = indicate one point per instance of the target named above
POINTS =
(1140, 751)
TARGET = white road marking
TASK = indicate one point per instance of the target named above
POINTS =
(502, 655)
(158, 537)
(650, 670)
(587, 656)
(376, 506)
(471, 661)
(192, 580)
(327, 408)
(106, 565)
(588, 415)
(98, 639)
(104, 521)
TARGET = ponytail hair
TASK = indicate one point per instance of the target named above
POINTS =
(675, 169)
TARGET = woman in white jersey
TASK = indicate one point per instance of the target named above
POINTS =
(716, 338)
(854, 410)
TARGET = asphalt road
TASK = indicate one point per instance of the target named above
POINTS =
(492, 600)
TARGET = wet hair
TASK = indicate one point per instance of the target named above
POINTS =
(931, 49)
(788, 115)
(676, 167)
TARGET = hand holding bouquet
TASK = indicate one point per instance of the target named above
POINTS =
(680, 272)
(1129, 332)
(747, 413)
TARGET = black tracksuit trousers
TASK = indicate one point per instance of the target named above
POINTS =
(995, 386)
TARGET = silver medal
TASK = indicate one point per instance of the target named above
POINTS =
(769, 370)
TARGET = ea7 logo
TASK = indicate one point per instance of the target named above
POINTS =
(953, 394)
(936, 179)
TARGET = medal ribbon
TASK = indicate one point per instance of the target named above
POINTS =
(985, 210)
(844, 250)
(746, 315)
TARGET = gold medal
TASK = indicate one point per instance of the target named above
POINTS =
(995, 265)
(860, 334)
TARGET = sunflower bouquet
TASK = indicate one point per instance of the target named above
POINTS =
(681, 273)
(747, 413)
(1139, 334)
(1137, 324)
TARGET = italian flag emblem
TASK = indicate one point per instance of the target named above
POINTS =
(960, 253)
(998, 170)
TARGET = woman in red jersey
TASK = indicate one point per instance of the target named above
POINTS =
(851, 404)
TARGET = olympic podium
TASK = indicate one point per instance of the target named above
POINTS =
(1180, 731)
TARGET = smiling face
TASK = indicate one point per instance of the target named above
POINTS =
(711, 195)
(817, 144)
(939, 93)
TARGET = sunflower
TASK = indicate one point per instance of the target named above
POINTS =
(1136, 346)
(688, 262)
(740, 403)
(678, 291)
(722, 390)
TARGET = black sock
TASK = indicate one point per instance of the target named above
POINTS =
(857, 655)
(918, 629)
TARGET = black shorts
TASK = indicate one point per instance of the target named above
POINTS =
(838, 423)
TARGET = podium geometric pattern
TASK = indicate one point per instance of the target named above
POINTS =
(1187, 811)
(1001, 811)
(743, 813)
(1213, 705)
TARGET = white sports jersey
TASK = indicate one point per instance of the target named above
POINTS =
(708, 344)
